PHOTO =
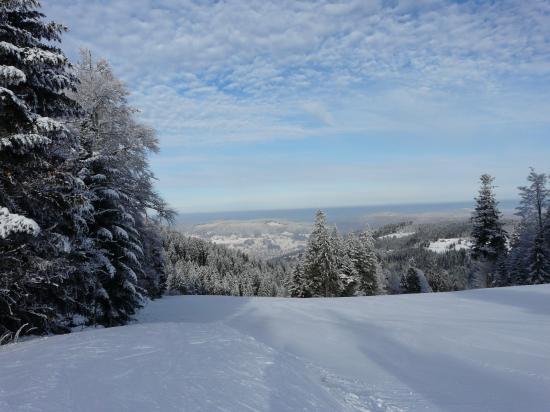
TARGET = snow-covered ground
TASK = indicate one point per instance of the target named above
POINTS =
(264, 238)
(262, 245)
(397, 235)
(444, 245)
(482, 350)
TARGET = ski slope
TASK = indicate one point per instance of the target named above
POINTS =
(482, 350)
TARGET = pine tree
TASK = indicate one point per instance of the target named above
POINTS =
(366, 264)
(515, 263)
(43, 204)
(320, 267)
(414, 281)
(195, 266)
(488, 236)
(154, 270)
(347, 267)
(531, 244)
(298, 285)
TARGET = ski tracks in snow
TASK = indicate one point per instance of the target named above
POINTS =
(170, 366)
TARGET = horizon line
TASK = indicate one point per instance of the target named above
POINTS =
(180, 213)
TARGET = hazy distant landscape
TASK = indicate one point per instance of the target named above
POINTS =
(275, 233)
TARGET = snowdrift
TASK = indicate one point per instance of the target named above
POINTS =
(482, 350)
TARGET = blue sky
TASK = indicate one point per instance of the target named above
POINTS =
(263, 104)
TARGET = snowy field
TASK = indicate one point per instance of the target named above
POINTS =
(397, 235)
(445, 245)
(482, 350)
(265, 238)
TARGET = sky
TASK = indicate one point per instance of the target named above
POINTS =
(266, 104)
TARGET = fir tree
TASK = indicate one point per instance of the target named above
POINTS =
(414, 281)
(320, 266)
(298, 287)
(348, 273)
(488, 236)
(531, 241)
(366, 264)
(195, 266)
(42, 257)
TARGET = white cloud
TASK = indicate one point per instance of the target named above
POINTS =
(238, 70)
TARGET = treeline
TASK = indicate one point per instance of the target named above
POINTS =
(198, 267)
(336, 265)
(523, 256)
(354, 265)
(444, 272)
(357, 264)
(77, 240)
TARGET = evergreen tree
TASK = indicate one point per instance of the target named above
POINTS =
(502, 276)
(366, 264)
(414, 281)
(345, 269)
(532, 242)
(488, 236)
(516, 263)
(298, 287)
(114, 166)
(43, 205)
(154, 270)
(195, 266)
(320, 266)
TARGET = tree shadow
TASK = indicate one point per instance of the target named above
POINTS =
(448, 382)
(187, 308)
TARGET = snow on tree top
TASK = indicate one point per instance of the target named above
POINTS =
(12, 75)
(9, 48)
(6, 94)
(46, 125)
(11, 223)
(23, 140)
(39, 56)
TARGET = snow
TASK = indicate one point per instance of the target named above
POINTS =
(11, 223)
(47, 125)
(9, 48)
(445, 245)
(26, 140)
(397, 235)
(12, 75)
(481, 350)
(38, 56)
(266, 238)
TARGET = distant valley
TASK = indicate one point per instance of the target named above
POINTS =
(275, 233)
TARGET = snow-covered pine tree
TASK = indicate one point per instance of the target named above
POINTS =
(347, 268)
(114, 166)
(516, 260)
(502, 277)
(366, 264)
(488, 236)
(298, 287)
(154, 279)
(531, 243)
(343, 264)
(414, 281)
(43, 205)
(320, 270)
